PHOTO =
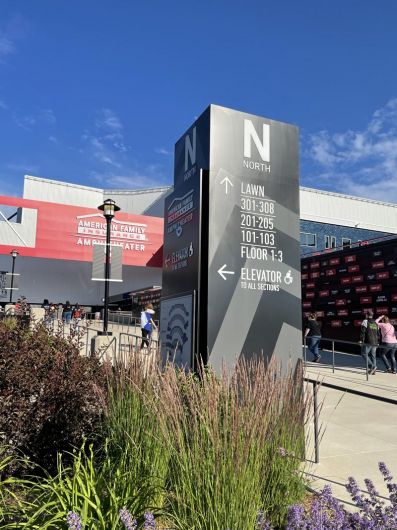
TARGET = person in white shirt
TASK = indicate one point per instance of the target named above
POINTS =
(147, 325)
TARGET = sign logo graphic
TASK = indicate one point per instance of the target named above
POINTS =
(190, 149)
(180, 212)
(251, 135)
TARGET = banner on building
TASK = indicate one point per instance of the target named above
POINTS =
(58, 231)
(99, 262)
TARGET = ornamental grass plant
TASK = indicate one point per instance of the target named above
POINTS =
(228, 438)
(132, 426)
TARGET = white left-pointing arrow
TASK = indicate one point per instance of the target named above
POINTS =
(227, 182)
(222, 272)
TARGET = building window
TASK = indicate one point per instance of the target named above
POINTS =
(330, 242)
(308, 240)
(346, 242)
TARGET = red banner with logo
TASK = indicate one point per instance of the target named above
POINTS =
(59, 231)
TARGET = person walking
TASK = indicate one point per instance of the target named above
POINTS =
(369, 338)
(388, 344)
(77, 316)
(46, 306)
(313, 336)
(67, 312)
(147, 325)
(52, 314)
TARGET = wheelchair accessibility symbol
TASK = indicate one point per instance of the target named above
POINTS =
(288, 279)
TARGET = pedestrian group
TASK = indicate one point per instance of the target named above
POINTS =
(376, 335)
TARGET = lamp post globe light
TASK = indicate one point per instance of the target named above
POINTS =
(108, 208)
(14, 253)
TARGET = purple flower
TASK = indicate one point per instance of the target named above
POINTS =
(296, 517)
(261, 522)
(327, 513)
(150, 523)
(74, 521)
(391, 486)
(357, 498)
(127, 519)
(282, 452)
(385, 472)
(373, 493)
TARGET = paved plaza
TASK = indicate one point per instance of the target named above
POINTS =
(355, 432)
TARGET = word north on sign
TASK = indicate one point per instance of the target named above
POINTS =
(246, 275)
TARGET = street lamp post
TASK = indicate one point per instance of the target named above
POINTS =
(108, 208)
(14, 253)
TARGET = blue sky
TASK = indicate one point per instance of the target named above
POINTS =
(97, 91)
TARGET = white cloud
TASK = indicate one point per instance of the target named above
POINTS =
(101, 151)
(47, 115)
(7, 47)
(14, 29)
(25, 122)
(22, 168)
(359, 162)
(41, 116)
(134, 180)
(144, 177)
(112, 159)
(105, 140)
(107, 119)
(3, 105)
(162, 151)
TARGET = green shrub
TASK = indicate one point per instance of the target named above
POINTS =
(50, 396)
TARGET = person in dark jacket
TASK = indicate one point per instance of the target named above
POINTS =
(67, 312)
(313, 336)
(369, 338)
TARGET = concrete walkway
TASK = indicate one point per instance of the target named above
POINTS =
(356, 432)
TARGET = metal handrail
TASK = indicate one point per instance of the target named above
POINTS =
(103, 351)
(121, 344)
(333, 341)
(137, 339)
(121, 318)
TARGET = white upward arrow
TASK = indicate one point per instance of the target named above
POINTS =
(222, 272)
(227, 183)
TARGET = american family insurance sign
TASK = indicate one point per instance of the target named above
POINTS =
(57, 231)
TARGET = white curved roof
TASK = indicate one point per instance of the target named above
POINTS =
(139, 201)
(346, 210)
(315, 205)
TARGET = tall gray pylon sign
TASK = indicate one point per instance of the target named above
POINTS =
(231, 240)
